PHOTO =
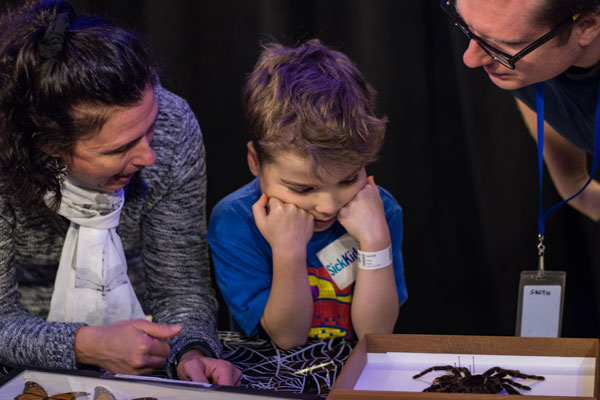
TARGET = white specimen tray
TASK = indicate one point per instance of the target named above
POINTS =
(128, 387)
(394, 371)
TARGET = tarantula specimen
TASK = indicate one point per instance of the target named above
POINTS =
(460, 380)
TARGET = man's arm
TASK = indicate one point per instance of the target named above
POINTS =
(566, 164)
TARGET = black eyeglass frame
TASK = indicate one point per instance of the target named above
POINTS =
(503, 58)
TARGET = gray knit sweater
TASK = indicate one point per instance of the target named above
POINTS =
(163, 221)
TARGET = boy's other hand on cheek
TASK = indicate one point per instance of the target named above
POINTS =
(364, 218)
(284, 225)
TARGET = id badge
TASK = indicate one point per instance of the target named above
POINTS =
(540, 306)
(340, 259)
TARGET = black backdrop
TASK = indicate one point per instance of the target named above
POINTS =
(457, 156)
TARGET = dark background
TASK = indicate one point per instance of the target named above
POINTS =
(457, 156)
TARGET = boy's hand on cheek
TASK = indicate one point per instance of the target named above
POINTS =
(285, 225)
(364, 218)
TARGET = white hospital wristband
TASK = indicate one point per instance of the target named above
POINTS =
(375, 259)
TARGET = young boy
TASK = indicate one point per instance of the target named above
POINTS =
(311, 248)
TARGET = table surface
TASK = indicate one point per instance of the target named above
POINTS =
(310, 369)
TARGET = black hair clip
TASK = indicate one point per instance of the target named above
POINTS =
(54, 37)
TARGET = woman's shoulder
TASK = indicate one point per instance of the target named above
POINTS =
(169, 102)
(177, 141)
(175, 119)
(6, 210)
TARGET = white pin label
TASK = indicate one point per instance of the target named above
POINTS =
(340, 259)
(541, 310)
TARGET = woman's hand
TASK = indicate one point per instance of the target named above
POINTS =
(194, 366)
(133, 347)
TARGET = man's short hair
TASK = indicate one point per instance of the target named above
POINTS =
(553, 12)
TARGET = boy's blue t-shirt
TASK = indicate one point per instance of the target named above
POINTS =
(244, 265)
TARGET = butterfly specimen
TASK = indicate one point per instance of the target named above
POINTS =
(102, 393)
(33, 391)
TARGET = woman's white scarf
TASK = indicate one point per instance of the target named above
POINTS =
(91, 283)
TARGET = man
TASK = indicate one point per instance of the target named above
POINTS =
(521, 42)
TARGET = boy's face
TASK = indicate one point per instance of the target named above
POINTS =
(289, 179)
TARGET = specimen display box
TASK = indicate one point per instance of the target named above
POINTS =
(33, 383)
(382, 366)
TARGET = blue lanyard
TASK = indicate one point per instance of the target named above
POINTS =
(539, 93)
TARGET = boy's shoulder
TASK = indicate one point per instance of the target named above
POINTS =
(388, 199)
(231, 219)
(239, 201)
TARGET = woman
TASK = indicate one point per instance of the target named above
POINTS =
(99, 163)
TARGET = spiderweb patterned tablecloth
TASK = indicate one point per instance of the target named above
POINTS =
(310, 369)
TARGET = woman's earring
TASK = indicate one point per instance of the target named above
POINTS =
(60, 171)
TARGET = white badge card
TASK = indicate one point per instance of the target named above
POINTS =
(540, 307)
(340, 259)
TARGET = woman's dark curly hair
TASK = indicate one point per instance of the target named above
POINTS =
(48, 104)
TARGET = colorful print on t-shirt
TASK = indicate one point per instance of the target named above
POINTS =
(331, 313)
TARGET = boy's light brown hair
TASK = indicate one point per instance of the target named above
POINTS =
(314, 101)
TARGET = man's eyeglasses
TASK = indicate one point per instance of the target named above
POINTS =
(503, 58)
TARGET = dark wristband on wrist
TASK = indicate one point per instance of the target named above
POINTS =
(190, 346)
